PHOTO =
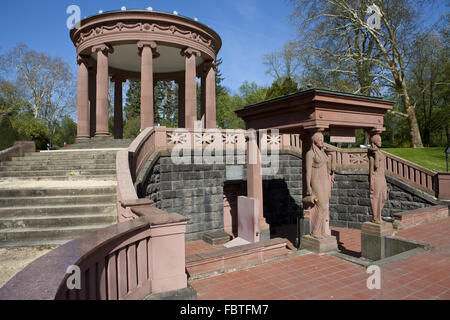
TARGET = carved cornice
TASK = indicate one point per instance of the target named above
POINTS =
(152, 28)
(103, 47)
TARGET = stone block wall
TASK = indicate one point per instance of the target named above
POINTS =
(197, 192)
(350, 199)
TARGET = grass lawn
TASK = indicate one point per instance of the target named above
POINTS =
(432, 158)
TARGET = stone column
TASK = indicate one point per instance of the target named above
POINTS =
(254, 181)
(190, 87)
(102, 115)
(92, 101)
(181, 102)
(203, 99)
(147, 52)
(118, 111)
(83, 101)
(210, 96)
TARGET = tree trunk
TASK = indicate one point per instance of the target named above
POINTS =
(416, 139)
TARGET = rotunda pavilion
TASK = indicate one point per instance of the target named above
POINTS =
(149, 46)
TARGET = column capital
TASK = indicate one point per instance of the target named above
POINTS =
(205, 67)
(188, 52)
(83, 59)
(105, 48)
(151, 44)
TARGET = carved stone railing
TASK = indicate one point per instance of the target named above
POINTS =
(17, 150)
(130, 260)
(434, 183)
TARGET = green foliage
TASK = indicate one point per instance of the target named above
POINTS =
(432, 158)
(65, 132)
(7, 133)
(281, 87)
(166, 104)
(132, 128)
(31, 129)
(133, 100)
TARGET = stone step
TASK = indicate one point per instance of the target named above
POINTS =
(57, 210)
(46, 235)
(67, 162)
(18, 223)
(58, 173)
(46, 192)
(43, 167)
(56, 200)
(108, 177)
(64, 156)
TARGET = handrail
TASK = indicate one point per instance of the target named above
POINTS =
(17, 150)
(115, 263)
(427, 180)
(45, 278)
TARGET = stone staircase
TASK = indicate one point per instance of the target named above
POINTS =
(49, 198)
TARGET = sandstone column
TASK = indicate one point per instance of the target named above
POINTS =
(190, 87)
(92, 101)
(254, 181)
(118, 110)
(102, 115)
(181, 102)
(147, 52)
(210, 96)
(83, 101)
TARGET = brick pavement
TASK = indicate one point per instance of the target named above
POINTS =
(312, 276)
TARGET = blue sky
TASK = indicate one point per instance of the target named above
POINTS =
(248, 28)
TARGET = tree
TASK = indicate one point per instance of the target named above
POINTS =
(47, 84)
(284, 63)
(281, 87)
(166, 104)
(133, 100)
(370, 55)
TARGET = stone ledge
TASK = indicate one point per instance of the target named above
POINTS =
(322, 245)
(377, 229)
(236, 258)
(408, 219)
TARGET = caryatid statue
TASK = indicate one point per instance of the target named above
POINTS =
(377, 179)
(319, 181)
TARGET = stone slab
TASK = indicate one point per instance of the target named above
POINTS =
(216, 237)
(314, 244)
(377, 229)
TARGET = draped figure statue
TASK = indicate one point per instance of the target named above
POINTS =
(377, 179)
(319, 181)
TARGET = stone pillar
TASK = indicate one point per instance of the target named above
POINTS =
(102, 115)
(92, 102)
(210, 96)
(147, 52)
(181, 102)
(190, 87)
(83, 101)
(118, 110)
(203, 100)
(373, 239)
(254, 181)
